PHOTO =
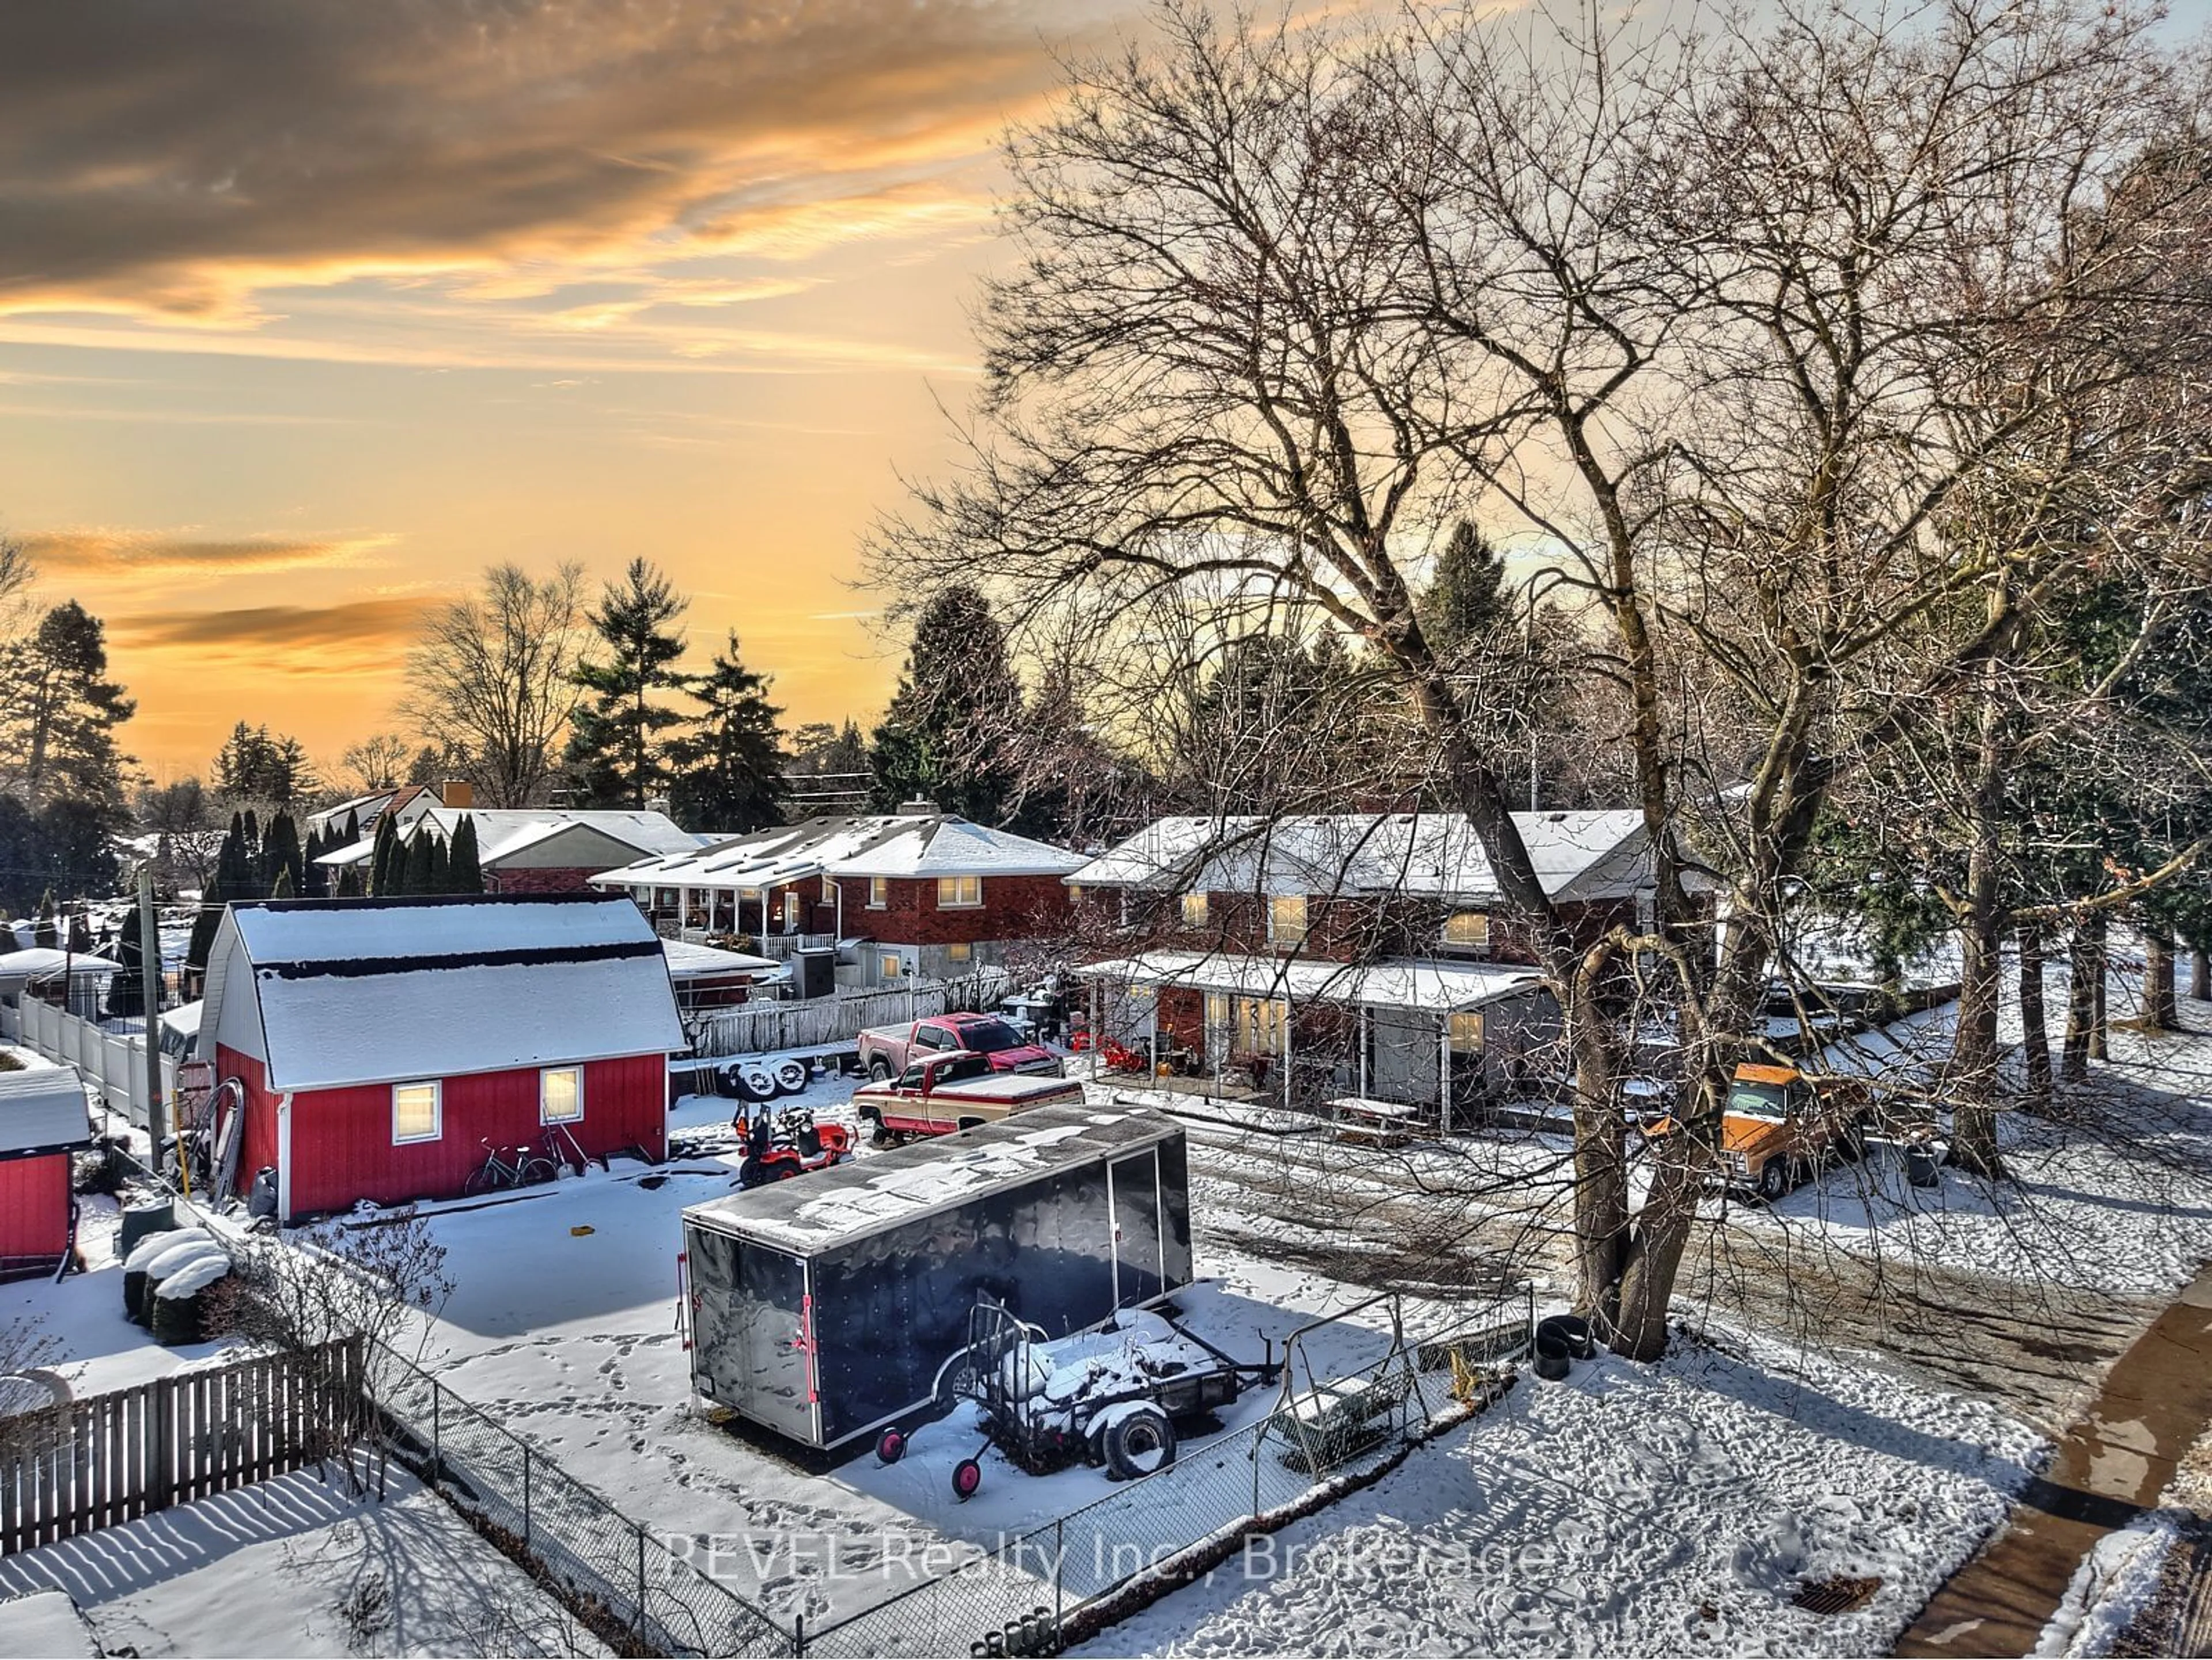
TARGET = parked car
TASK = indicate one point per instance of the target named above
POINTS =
(1779, 1127)
(887, 1051)
(941, 1093)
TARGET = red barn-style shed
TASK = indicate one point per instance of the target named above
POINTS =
(379, 1044)
(42, 1122)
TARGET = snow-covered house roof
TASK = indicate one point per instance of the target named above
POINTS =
(525, 835)
(38, 963)
(1576, 855)
(687, 961)
(890, 844)
(1392, 983)
(42, 1110)
(332, 993)
(362, 809)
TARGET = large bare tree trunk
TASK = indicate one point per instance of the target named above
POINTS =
(2160, 1013)
(1974, 1054)
(2083, 968)
(2034, 1027)
(2200, 976)
(2100, 927)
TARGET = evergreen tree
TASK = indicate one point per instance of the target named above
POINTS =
(126, 992)
(57, 722)
(352, 827)
(281, 888)
(948, 734)
(617, 744)
(383, 877)
(729, 766)
(280, 855)
(1466, 603)
(466, 873)
(79, 936)
(45, 935)
(437, 866)
(254, 766)
(350, 883)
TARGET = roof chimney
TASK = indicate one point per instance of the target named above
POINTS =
(457, 793)
(921, 807)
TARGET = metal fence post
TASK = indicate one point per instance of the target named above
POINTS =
(641, 1584)
(1059, 1576)
(437, 1437)
(526, 1495)
(799, 1633)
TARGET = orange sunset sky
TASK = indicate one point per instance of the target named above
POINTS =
(311, 308)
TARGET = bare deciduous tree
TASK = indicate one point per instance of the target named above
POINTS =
(496, 670)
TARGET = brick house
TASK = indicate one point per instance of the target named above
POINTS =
(915, 893)
(1347, 954)
(377, 1045)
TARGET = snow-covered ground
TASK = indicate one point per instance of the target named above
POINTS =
(295, 1567)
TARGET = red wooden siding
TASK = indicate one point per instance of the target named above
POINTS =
(35, 1206)
(341, 1145)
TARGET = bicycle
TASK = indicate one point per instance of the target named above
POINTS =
(525, 1170)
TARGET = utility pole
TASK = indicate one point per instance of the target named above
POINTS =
(150, 983)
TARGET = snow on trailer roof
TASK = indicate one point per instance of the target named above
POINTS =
(364, 991)
(42, 1109)
(1576, 855)
(1393, 983)
(44, 961)
(846, 1202)
(688, 961)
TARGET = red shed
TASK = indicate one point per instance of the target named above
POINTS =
(42, 1122)
(380, 1043)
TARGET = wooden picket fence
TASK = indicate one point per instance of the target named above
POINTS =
(81, 1465)
(821, 1022)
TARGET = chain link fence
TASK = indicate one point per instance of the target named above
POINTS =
(622, 1580)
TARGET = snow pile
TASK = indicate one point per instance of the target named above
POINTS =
(1673, 1509)
(44, 1623)
(155, 1245)
(2114, 1582)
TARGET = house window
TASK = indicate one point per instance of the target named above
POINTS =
(959, 892)
(1075, 893)
(1259, 1026)
(1286, 922)
(1467, 1031)
(959, 951)
(879, 892)
(1467, 930)
(791, 911)
(1194, 911)
(560, 1095)
(414, 1113)
(890, 965)
(829, 891)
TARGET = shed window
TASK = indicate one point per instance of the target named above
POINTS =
(1469, 930)
(959, 951)
(1194, 911)
(560, 1095)
(959, 892)
(414, 1113)
(891, 965)
(1467, 1031)
(879, 892)
(1287, 920)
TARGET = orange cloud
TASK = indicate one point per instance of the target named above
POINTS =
(144, 553)
(285, 639)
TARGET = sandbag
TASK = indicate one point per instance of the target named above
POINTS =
(139, 1260)
(179, 1313)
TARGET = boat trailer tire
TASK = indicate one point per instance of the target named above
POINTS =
(891, 1447)
(967, 1477)
(1138, 1443)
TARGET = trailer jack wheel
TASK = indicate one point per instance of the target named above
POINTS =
(967, 1477)
(891, 1447)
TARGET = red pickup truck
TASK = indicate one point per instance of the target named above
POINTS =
(957, 1090)
(888, 1051)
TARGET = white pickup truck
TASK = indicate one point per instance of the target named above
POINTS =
(952, 1091)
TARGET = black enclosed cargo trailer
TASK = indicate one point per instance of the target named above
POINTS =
(826, 1307)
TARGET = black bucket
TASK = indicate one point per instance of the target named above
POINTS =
(1923, 1167)
(134, 1295)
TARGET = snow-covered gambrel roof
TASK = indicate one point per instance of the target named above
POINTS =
(1578, 855)
(363, 991)
(889, 845)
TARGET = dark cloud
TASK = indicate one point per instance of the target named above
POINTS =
(153, 153)
(284, 637)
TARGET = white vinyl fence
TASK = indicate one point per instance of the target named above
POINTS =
(114, 1063)
(819, 1022)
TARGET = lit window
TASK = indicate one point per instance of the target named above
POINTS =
(879, 892)
(957, 893)
(415, 1115)
(1075, 893)
(959, 951)
(1260, 1023)
(791, 909)
(891, 965)
(1468, 929)
(829, 891)
(1194, 911)
(1286, 920)
(1467, 1031)
(560, 1095)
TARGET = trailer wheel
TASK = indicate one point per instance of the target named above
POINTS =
(967, 1477)
(792, 1076)
(891, 1447)
(1139, 1444)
